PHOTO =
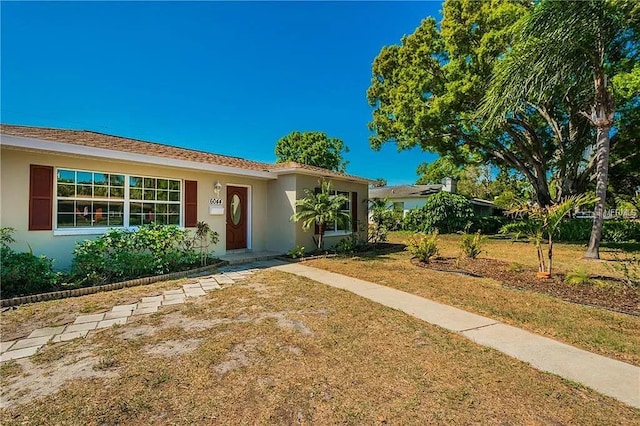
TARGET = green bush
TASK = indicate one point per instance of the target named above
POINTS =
(443, 211)
(488, 225)
(24, 273)
(579, 276)
(120, 254)
(423, 246)
(579, 230)
(471, 244)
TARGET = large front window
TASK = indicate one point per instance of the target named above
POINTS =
(338, 227)
(87, 199)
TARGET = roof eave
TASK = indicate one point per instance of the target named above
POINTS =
(114, 155)
(298, 170)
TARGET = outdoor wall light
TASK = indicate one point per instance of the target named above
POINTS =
(217, 187)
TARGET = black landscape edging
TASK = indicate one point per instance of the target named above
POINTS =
(83, 291)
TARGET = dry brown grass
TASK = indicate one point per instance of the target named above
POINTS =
(18, 322)
(285, 350)
(596, 330)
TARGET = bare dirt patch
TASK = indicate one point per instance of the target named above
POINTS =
(173, 347)
(242, 355)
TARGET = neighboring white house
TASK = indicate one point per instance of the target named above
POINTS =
(61, 186)
(406, 197)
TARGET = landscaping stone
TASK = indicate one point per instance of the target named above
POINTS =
(173, 302)
(148, 305)
(194, 292)
(222, 279)
(173, 297)
(89, 318)
(5, 346)
(143, 311)
(29, 343)
(172, 292)
(117, 314)
(20, 353)
(151, 299)
(209, 287)
(190, 286)
(65, 337)
(81, 327)
(110, 322)
(118, 308)
(46, 331)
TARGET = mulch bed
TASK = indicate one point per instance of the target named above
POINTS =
(617, 297)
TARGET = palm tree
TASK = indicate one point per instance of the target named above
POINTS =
(566, 49)
(319, 208)
(545, 222)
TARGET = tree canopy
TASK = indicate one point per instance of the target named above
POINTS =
(312, 148)
(427, 91)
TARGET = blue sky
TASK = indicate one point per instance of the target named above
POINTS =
(225, 77)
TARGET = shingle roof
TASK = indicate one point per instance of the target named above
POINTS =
(136, 146)
(404, 191)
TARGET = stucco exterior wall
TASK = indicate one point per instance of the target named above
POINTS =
(14, 208)
(305, 238)
(281, 199)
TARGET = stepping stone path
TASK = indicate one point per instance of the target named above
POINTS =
(28, 346)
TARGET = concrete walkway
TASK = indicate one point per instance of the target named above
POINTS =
(605, 375)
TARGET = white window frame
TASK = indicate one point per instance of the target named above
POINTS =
(342, 232)
(126, 200)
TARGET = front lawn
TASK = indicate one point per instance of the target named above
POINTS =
(281, 349)
(594, 329)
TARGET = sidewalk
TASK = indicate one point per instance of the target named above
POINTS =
(605, 375)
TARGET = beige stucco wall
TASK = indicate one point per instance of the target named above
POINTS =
(281, 198)
(305, 238)
(14, 208)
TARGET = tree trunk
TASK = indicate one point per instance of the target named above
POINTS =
(602, 118)
(320, 234)
(593, 251)
(550, 254)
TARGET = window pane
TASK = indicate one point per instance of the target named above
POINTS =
(149, 183)
(116, 180)
(149, 213)
(66, 176)
(135, 220)
(135, 182)
(116, 214)
(100, 179)
(65, 220)
(150, 194)
(100, 191)
(174, 219)
(66, 190)
(174, 196)
(84, 213)
(85, 178)
(163, 184)
(173, 209)
(174, 185)
(163, 195)
(161, 208)
(136, 208)
(135, 194)
(117, 192)
(84, 190)
(66, 206)
(100, 213)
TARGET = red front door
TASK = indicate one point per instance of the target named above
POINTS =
(236, 217)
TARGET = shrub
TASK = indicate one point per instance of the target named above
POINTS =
(296, 252)
(471, 245)
(488, 225)
(120, 254)
(24, 273)
(577, 277)
(423, 246)
(628, 267)
(579, 230)
(443, 211)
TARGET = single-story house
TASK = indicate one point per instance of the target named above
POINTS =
(61, 186)
(406, 197)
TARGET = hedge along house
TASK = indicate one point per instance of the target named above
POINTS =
(63, 186)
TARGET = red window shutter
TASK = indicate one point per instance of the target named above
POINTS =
(40, 198)
(190, 203)
(354, 211)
